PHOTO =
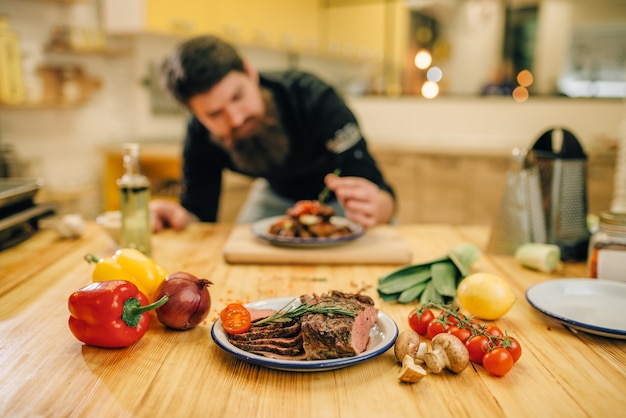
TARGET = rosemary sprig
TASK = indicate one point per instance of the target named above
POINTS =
(325, 192)
(293, 312)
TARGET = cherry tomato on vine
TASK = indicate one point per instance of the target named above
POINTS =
(513, 346)
(453, 319)
(461, 333)
(419, 320)
(477, 347)
(434, 328)
(498, 361)
(235, 318)
(494, 331)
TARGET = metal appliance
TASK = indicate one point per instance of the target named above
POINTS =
(19, 214)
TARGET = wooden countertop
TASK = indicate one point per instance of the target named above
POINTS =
(45, 371)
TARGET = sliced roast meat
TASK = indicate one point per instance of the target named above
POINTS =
(258, 314)
(338, 336)
(253, 346)
(280, 339)
(275, 330)
(270, 354)
(295, 341)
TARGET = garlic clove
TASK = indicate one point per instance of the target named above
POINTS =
(70, 226)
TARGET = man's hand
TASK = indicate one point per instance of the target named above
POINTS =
(363, 202)
(168, 214)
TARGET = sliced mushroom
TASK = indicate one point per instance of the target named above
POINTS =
(410, 372)
(447, 351)
(419, 356)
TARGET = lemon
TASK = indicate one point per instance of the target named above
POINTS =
(485, 295)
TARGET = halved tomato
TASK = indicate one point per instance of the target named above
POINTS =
(236, 319)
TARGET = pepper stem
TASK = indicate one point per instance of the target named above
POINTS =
(133, 310)
(90, 258)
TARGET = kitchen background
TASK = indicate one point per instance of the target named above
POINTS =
(89, 67)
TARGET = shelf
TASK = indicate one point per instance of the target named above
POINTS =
(43, 106)
(62, 1)
(109, 52)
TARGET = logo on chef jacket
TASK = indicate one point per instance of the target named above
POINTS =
(345, 138)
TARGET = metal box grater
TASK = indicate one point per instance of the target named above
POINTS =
(563, 174)
(521, 218)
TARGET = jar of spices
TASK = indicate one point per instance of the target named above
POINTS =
(607, 248)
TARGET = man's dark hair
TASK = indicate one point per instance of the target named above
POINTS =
(196, 65)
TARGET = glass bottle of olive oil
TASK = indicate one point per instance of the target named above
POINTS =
(134, 190)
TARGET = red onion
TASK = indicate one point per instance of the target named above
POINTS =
(189, 300)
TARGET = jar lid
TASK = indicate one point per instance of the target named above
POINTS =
(613, 218)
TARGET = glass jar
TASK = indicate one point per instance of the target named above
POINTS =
(607, 248)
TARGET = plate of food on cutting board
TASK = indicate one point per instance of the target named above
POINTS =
(307, 224)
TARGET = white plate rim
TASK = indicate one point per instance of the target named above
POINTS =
(534, 292)
(260, 228)
(385, 326)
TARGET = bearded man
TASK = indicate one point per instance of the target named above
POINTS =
(288, 130)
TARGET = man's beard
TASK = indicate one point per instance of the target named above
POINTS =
(266, 150)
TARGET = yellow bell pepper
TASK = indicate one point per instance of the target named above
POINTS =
(131, 265)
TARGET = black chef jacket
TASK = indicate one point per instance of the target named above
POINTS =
(323, 135)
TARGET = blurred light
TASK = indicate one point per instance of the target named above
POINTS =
(525, 78)
(434, 74)
(520, 94)
(430, 89)
(423, 59)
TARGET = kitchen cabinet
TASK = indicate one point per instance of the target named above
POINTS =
(123, 17)
(466, 187)
(372, 30)
(283, 24)
(355, 29)
(183, 17)
(436, 186)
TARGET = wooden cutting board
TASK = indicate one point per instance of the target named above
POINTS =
(379, 245)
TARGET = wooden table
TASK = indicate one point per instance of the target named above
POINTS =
(45, 371)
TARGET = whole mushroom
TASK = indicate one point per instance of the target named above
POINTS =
(408, 343)
(447, 352)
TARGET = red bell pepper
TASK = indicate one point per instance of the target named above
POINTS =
(110, 314)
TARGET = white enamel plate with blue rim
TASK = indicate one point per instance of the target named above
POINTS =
(382, 337)
(261, 229)
(590, 305)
